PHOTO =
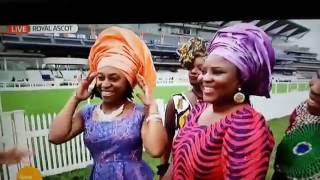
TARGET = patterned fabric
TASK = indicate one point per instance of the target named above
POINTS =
(250, 49)
(236, 147)
(182, 107)
(190, 50)
(123, 49)
(298, 152)
(116, 147)
(300, 117)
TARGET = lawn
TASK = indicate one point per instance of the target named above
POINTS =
(289, 87)
(49, 101)
(278, 126)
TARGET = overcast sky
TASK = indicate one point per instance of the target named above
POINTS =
(312, 39)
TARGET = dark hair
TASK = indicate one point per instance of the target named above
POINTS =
(128, 93)
(246, 94)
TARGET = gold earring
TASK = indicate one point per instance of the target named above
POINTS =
(239, 97)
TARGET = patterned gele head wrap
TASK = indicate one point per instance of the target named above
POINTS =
(190, 50)
(250, 49)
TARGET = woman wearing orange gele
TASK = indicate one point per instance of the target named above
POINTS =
(115, 130)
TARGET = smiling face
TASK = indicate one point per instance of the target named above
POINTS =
(313, 103)
(112, 84)
(220, 80)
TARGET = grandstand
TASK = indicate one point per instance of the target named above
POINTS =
(60, 58)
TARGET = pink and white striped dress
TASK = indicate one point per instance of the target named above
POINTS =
(236, 147)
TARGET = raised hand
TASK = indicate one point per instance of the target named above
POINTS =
(83, 92)
(146, 98)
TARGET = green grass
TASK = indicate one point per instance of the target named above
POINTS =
(38, 101)
(303, 86)
(289, 87)
(79, 174)
(273, 90)
(293, 87)
(49, 101)
(281, 88)
(277, 126)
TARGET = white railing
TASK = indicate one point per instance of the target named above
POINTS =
(16, 86)
(279, 87)
(172, 83)
(19, 86)
(31, 132)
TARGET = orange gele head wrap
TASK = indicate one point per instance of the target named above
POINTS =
(123, 49)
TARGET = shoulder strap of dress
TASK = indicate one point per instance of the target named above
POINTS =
(87, 110)
(186, 98)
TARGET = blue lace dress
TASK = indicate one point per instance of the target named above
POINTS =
(116, 146)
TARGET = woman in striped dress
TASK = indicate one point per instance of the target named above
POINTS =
(224, 136)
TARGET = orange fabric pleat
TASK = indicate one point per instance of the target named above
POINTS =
(123, 49)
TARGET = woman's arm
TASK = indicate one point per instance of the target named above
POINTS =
(170, 129)
(153, 133)
(68, 123)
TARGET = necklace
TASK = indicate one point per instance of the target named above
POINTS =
(104, 117)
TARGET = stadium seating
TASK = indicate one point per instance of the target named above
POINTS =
(173, 40)
(151, 38)
(8, 76)
(37, 39)
(34, 76)
(163, 48)
(47, 75)
(68, 41)
(88, 42)
(70, 75)
(10, 38)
